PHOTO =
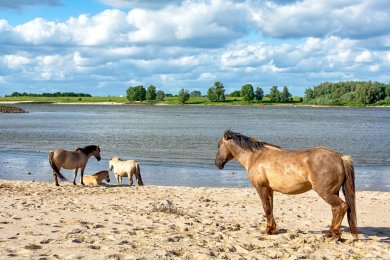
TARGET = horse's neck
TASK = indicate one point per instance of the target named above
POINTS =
(241, 155)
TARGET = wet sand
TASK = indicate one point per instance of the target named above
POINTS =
(41, 221)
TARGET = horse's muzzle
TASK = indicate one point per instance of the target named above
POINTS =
(220, 164)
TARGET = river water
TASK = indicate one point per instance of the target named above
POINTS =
(176, 145)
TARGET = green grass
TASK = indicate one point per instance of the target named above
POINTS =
(171, 101)
(65, 99)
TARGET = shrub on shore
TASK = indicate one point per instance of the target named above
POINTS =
(11, 109)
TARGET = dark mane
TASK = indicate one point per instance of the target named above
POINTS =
(98, 173)
(87, 150)
(245, 142)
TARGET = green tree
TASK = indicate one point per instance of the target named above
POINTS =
(196, 93)
(285, 96)
(235, 93)
(160, 95)
(151, 93)
(259, 94)
(247, 93)
(309, 93)
(369, 94)
(216, 93)
(274, 94)
(183, 96)
(137, 93)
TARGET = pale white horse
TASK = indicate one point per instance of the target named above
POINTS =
(125, 169)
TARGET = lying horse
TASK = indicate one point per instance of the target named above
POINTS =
(97, 178)
(60, 158)
(125, 169)
(272, 169)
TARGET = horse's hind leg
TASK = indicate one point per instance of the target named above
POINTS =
(74, 176)
(339, 208)
(82, 176)
(131, 178)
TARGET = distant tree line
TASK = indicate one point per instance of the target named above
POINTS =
(139, 93)
(55, 94)
(215, 94)
(361, 92)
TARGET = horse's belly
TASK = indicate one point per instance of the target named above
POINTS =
(291, 188)
(121, 174)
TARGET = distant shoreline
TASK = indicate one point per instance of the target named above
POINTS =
(16, 102)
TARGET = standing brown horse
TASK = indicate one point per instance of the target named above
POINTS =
(272, 169)
(60, 158)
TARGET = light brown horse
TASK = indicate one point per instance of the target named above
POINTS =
(97, 178)
(60, 158)
(272, 169)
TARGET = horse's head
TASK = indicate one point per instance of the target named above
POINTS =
(96, 153)
(110, 164)
(223, 155)
(107, 178)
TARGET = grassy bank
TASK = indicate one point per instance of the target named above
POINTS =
(167, 100)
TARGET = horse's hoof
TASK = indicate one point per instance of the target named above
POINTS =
(333, 234)
(269, 231)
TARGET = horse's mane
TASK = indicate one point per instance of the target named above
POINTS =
(245, 142)
(98, 173)
(87, 150)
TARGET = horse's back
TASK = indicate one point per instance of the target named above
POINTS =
(297, 171)
(90, 180)
(66, 159)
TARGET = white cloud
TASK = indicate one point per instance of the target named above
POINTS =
(364, 56)
(318, 18)
(15, 61)
(191, 44)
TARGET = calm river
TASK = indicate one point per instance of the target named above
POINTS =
(176, 145)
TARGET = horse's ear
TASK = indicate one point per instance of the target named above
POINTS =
(226, 136)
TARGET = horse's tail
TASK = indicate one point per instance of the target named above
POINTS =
(138, 173)
(349, 194)
(54, 167)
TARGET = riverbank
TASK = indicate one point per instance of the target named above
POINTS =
(39, 220)
(11, 109)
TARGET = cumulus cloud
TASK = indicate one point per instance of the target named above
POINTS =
(175, 44)
(319, 18)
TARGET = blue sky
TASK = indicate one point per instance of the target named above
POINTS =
(102, 47)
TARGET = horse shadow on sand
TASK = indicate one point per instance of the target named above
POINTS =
(366, 233)
(383, 233)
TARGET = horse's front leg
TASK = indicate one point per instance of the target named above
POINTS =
(56, 178)
(82, 176)
(266, 196)
(74, 176)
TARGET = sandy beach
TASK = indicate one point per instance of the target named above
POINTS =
(41, 221)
